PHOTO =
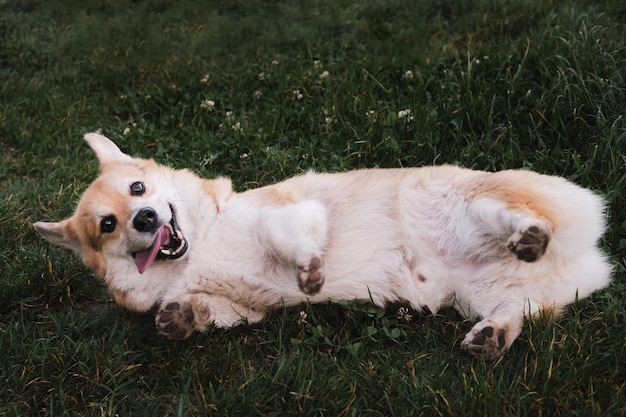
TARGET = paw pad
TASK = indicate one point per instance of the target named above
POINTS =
(311, 276)
(175, 321)
(486, 342)
(530, 244)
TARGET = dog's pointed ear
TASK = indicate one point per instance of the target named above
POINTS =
(106, 151)
(59, 233)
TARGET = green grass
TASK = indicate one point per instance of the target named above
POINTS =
(492, 85)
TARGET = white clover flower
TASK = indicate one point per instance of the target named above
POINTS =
(328, 121)
(408, 74)
(317, 63)
(371, 115)
(403, 314)
(126, 131)
(324, 75)
(237, 127)
(207, 105)
(297, 94)
(275, 62)
(302, 318)
(405, 114)
(229, 115)
(262, 76)
(205, 80)
(258, 94)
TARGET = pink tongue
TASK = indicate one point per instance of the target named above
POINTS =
(144, 258)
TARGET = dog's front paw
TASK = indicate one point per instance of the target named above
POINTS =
(311, 276)
(529, 244)
(175, 320)
(485, 340)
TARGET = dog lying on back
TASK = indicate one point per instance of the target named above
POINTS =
(498, 246)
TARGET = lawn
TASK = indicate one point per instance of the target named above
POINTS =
(262, 90)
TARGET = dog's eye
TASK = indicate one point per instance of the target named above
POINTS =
(107, 225)
(137, 188)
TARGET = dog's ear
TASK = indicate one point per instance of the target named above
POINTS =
(59, 233)
(106, 151)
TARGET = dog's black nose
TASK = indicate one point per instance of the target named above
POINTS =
(146, 220)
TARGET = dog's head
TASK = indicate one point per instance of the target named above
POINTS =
(130, 221)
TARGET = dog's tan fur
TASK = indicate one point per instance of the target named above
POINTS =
(493, 245)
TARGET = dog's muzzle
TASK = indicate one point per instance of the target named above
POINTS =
(169, 241)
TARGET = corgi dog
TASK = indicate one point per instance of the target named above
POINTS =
(497, 246)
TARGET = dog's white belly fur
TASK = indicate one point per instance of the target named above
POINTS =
(494, 245)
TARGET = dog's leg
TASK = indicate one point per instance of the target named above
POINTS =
(178, 317)
(491, 337)
(175, 320)
(310, 275)
(530, 241)
(526, 233)
(502, 229)
(296, 233)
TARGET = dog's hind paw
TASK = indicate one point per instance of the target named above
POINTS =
(486, 341)
(529, 244)
(175, 320)
(311, 276)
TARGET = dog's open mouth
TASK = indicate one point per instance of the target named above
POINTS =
(169, 243)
